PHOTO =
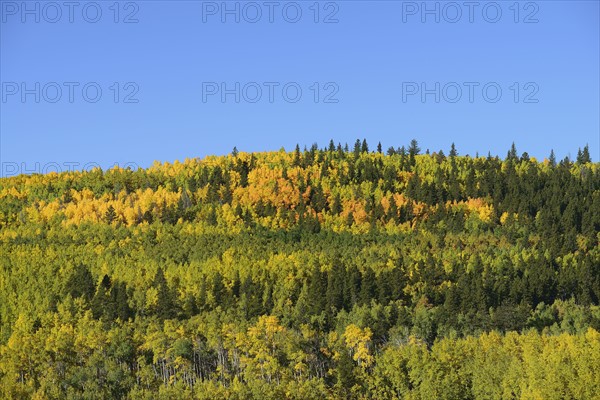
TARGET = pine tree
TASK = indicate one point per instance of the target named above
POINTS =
(340, 151)
(335, 288)
(349, 219)
(336, 207)
(583, 157)
(331, 146)
(512, 153)
(317, 199)
(357, 148)
(364, 148)
(414, 148)
(379, 149)
(586, 158)
(317, 288)
(441, 156)
(296, 161)
(248, 221)
(453, 153)
(166, 305)
(250, 293)
(101, 301)
(406, 212)
(110, 215)
(552, 159)
(345, 373)
(413, 189)
(352, 286)
(81, 283)
(119, 303)
(392, 213)
(368, 287)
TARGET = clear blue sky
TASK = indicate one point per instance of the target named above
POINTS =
(373, 61)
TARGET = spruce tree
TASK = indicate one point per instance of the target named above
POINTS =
(110, 215)
(364, 148)
(166, 305)
(552, 159)
(296, 161)
(101, 301)
(453, 153)
(414, 148)
(357, 148)
(331, 146)
(583, 157)
(512, 153)
(336, 207)
(392, 213)
(81, 283)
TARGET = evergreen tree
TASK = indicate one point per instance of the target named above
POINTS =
(101, 300)
(512, 153)
(552, 158)
(335, 289)
(345, 373)
(583, 157)
(331, 146)
(119, 303)
(166, 307)
(296, 161)
(252, 302)
(110, 215)
(392, 213)
(81, 283)
(453, 153)
(364, 147)
(414, 148)
(336, 207)
(357, 149)
(349, 219)
(317, 289)
(368, 288)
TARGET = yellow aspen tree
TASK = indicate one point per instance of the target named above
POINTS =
(358, 341)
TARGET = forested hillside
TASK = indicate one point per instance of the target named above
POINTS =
(311, 274)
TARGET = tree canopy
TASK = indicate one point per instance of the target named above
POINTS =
(318, 273)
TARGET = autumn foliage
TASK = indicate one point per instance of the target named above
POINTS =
(325, 273)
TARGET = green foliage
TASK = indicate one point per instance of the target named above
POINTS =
(311, 274)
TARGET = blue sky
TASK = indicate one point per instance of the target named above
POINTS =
(483, 75)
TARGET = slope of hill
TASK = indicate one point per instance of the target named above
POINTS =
(323, 273)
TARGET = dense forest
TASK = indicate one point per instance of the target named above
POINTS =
(323, 273)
